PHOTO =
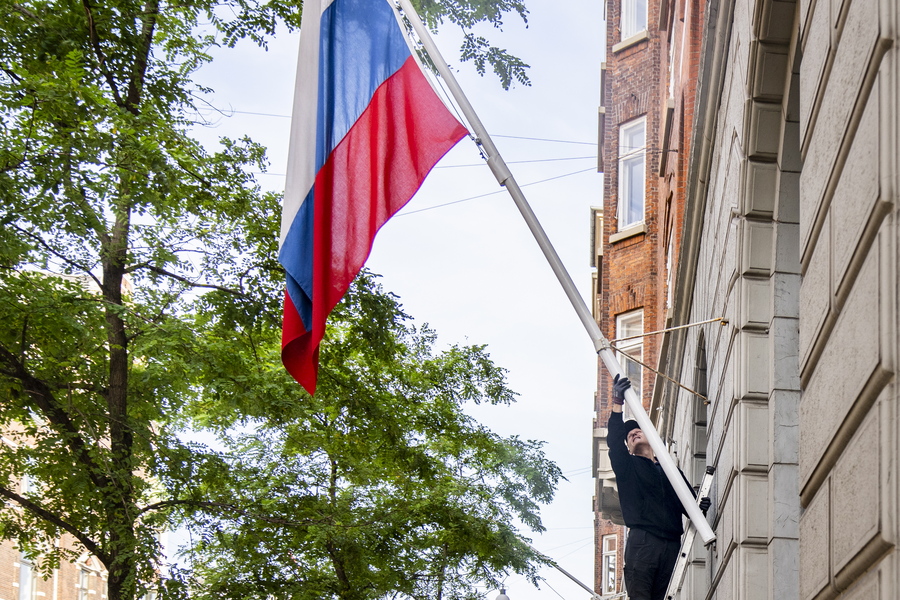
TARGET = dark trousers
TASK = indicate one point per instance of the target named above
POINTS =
(649, 562)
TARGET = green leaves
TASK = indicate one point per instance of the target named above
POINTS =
(140, 299)
(381, 484)
(467, 14)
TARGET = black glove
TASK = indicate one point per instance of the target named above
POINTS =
(705, 503)
(619, 387)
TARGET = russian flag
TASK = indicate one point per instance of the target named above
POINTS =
(367, 128)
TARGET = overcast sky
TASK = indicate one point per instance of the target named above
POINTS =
(461, 257)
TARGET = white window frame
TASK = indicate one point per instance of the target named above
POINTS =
(627, 325)
(670, 284)
(84, 586)
(632, 157)
(26, 578)
(609, 549)
(633, 20)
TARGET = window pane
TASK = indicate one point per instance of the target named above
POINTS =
(632, 161)
(633, 137)
(609, 574)
(26, 579)
(83, 585)
(634, 17)
(633, 191)
(633, 372)
(627, 325)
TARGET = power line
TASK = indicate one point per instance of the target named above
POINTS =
(547, 583)
(258, 114)
(514, 137)
(517, 162)
(412, 212)
(481, 164)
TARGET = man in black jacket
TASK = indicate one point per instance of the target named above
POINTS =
(650, 506)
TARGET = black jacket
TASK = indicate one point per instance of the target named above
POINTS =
(647, 498)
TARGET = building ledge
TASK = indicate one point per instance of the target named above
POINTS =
(637, 38)
(627, 233)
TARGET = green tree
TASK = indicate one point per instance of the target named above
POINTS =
(125, 245)
(378, 487)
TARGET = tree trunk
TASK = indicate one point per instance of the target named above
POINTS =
(119, 499)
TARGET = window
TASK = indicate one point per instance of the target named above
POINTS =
(670, 292)
(632, 160)
(634, 17)
(627, 325)
(608, 567)
(700, 384)
(26, 578)
(83, 584)
(699, 441)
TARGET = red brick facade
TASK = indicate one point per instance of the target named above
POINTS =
(64, 583)
(635, 268)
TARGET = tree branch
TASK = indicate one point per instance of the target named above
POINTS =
(165, 273)
(89, 544)
(222, 506)
(98, 51)
(40, 241)
(26, 12)
(136, 83)
(42, 396)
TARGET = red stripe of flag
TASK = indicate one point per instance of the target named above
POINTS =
(372, 173)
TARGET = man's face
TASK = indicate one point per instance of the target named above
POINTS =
(634, 437)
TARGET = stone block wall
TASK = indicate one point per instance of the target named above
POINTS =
(748, 271)
(796, 245)
(849, 100)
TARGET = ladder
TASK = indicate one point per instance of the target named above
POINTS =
(688, 542)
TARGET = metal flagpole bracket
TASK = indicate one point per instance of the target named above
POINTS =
(499, 169)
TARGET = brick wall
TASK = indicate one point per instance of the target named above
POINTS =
(62, 584)
(635, 268)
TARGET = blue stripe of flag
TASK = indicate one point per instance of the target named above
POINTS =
(360, 47)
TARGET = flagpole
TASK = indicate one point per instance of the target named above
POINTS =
(601, 344)
(594, 595)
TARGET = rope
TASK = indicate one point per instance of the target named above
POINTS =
(663, 375)
(641, 335)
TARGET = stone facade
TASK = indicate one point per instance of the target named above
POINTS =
(790, 236)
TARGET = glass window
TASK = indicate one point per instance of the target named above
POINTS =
(83, 584)
(670, 284)
(634, 17)
(628, 325)
(26, 578)
(608, 568)
(632, 160)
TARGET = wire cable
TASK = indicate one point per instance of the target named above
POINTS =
(518, 162)
(513, 137)
(412, 212)
(481, 164)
